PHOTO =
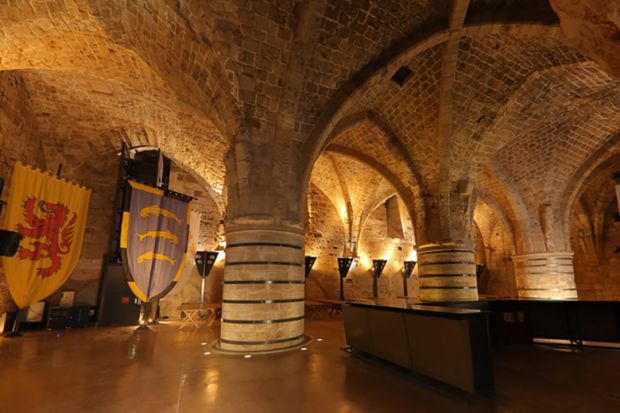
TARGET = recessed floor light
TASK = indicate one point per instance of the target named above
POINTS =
(206, 353)
(247, 356)
(203, 344)
(304, 348)
(319, 339)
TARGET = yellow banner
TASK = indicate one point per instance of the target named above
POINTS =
(50, 213)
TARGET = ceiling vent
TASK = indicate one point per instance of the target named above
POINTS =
(401, 75)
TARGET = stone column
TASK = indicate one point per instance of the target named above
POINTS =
(263, 297)
(547, 275)
(447, 272)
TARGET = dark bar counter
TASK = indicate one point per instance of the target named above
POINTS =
(447, 344)
(577, 321)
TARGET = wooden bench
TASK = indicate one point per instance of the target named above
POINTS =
(191, 313)
(333, 307)
(313, 308)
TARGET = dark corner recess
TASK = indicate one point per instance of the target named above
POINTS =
(401, 75)
(482, 12)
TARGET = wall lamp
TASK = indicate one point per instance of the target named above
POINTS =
(309, 264)
(407, 271)
(344, 265)
(377, 268)
(204, 262)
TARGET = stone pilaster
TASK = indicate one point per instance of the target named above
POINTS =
(547, 275)
(447, 272)
(263, 297)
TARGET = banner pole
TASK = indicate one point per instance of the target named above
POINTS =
(143, 314)
(153, 312)
(202, 290)
(375, 291)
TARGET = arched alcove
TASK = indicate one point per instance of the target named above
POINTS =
(355, 211)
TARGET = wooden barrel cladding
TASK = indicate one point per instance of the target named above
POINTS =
(447, 272)
(263, 296)
(547, 275)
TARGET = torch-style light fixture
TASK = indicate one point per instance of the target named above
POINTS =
(407, 271)
(309, 264)
(377, 268)
(204, 262)
(344, 265)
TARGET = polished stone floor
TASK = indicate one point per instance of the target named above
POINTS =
(117, 370)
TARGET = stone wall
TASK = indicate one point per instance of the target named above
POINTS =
(597, 267)
(494, 247)
(326, 240)
(376, 244)
(595, 235)
(498, 278)
(18, 141)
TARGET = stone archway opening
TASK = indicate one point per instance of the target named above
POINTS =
(355, 211)
(494, 248)
(595, 234)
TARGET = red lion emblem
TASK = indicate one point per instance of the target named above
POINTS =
(52, 234)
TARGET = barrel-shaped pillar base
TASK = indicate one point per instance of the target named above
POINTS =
(545, 275)
(263, 297)
(447, 272)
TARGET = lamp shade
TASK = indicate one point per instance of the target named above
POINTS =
(378, 266)
(309, 264)
(205, 261)
(408, 268)
(344, 264)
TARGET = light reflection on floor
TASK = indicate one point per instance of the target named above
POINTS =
(167, 370)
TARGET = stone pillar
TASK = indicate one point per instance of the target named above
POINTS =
(547, 275)
(263, 297)
(447, 272)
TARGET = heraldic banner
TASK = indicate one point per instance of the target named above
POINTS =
(170, 303)
(154, 241)
(50, 213)
(192, 246)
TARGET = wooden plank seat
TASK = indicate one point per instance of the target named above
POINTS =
(333, 307)
(313, 308)
(191, 313)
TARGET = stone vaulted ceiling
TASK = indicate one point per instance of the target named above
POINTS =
(249, 93)
(354, 189)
